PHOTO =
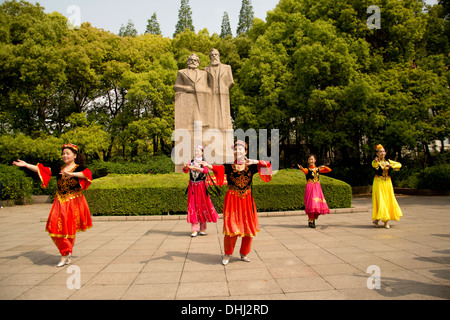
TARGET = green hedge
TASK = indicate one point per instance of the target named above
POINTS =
(16, 185)
(435, 178)
(165, 193)
(153, 165)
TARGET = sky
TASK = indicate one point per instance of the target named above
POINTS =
(111, 14)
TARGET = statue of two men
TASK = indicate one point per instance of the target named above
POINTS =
(222, 82)
(204, 95)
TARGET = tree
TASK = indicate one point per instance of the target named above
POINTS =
(153, 25)
(84, 52)
(226, 27)
(313, 69)
(187, 42)
(44, 149)
(245, 17)
(336, 88)
(129, 30)
(300, 77)
(184, 18)
(31, 65)
(446, 5)
(90, 137)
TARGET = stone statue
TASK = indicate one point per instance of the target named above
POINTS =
(222, 82)
(203, 96)
(192, 95)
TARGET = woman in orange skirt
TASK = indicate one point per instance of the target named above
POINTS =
(70, 212)
(239, 210)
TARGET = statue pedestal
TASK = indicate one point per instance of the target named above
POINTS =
(217, 146)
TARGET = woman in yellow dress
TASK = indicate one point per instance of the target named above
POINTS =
(385, 206)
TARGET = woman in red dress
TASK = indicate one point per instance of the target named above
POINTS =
(240, 218)
(200, 208)
(70, 212)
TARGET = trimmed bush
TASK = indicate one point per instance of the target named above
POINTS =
(435, 178)
(165, 194)
(155, 165)
(16, 185)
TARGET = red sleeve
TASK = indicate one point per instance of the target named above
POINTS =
(219, 173)
(205, 170)
(265, 170)
(45, 174)
(86, 182)
(305, 171)
(185, 169)
(325, 169)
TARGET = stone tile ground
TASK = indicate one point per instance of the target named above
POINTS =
(157, 259)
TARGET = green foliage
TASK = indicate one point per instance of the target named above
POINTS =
(354, 176)
(436, 178)
(129, 30)
(184, 18)
(162, 194)
(45, 149)
(153, 165)
(92, 139)
(153, 25)
(50, 191)
(245, 17)
(226, 27)
(16, 185)
(312, 69)
(407, 178)
(317, 72)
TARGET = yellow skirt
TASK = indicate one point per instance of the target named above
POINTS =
(385, 206)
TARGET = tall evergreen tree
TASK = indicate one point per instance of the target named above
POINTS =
(184, 18)
(153, 25)
(245, 17)
(129, 30)
(226, 27)
(446, 5)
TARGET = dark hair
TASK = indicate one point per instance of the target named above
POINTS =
(80, 159)
(312, 155)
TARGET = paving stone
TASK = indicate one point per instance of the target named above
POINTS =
(156, 259)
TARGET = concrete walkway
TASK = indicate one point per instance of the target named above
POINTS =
(157, 259)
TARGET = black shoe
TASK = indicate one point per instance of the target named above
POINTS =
(311, 224)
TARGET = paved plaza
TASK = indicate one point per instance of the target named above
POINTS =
(345, 257)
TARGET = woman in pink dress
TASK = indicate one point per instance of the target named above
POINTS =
(315, 203)
(200, 208)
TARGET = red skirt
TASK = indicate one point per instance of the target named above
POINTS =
(239, 215)
(200, 206)
(68, 217)
(314, 199)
